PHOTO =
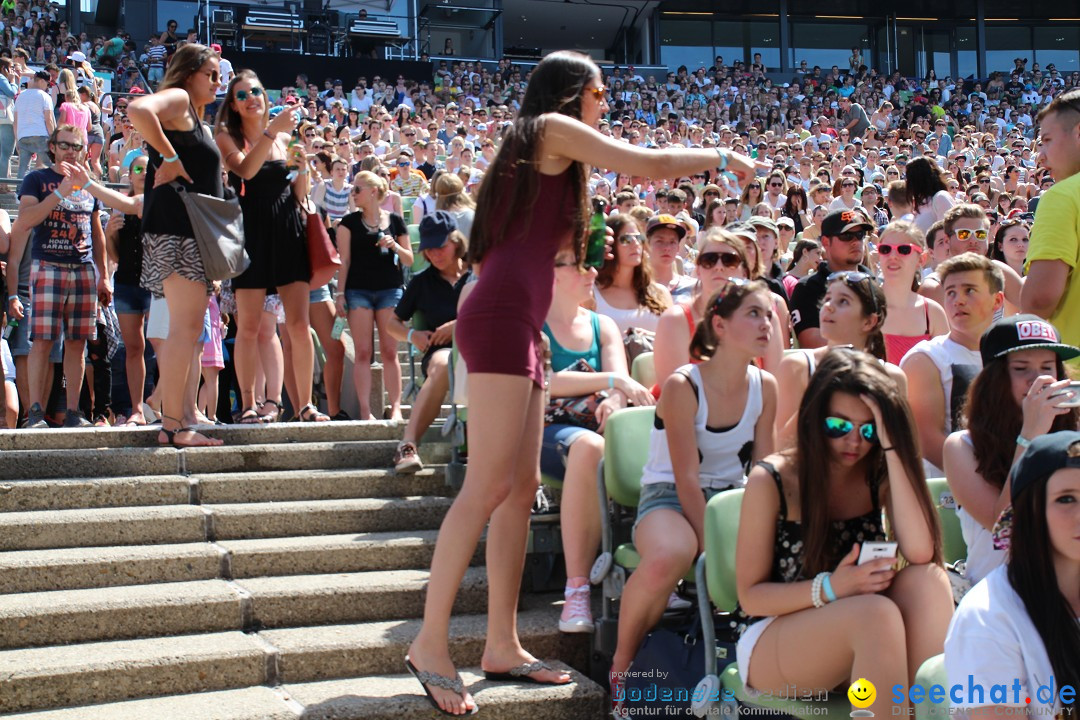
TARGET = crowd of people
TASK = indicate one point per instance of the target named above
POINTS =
(849, 283)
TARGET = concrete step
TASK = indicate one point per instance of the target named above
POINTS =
(70, 494)
(119, 462)
(68, 675)
(25, 571)
(126, 437)
(102, 527)
(252, 703)
(318, 485)
(376, 648)
(319, 517)
(359, 698)
(392, 697)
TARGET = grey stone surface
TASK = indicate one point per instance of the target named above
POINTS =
(72, 568)
(376, 648)
(353, 597)
(67, 675)
(254, 703)
(321, 554)
(90, 463)
(317, 485)
(299, 456)
(327, 516)
(64, 494)
(101, 526)
(399, 696)
(72, 616)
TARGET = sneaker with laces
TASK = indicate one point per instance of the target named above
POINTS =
(35, 417)
(576, 613)
(75, 419)
(406, 459)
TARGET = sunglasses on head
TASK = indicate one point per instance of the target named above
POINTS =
(243, 95)
(708, 260)
(630, 239)
(965, 234)
(901, 249)
(836, 428)
(853, 278)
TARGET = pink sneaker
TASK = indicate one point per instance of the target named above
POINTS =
(576, 614)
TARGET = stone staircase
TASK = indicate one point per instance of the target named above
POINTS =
(281, 576)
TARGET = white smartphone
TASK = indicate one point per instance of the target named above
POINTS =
(1072, 393)
(876, 551)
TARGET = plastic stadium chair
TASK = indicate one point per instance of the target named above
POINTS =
(954, 546)
(930, 673)
(643, 369)
(716, 571)
(416, 379)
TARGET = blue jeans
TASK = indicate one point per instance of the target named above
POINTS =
(7, 147)
(33, 145)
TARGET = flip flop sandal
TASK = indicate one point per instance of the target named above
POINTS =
(453, 684)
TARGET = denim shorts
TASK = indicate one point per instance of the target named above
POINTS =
(373, 299)
(320, 294)
(556, 447)
(131, 300)
(664, 496)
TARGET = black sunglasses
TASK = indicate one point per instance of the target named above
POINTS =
(708, 260)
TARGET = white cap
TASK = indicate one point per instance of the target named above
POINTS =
(78, 56)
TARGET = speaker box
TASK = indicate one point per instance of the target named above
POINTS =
(108, 13)
(313, 5)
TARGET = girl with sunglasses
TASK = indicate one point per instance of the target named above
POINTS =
(809, 616)
(901, 254)
(690, 460)
(1017, 394)
(751, 197)
(852, 314)
(532, 202)
(625, 291)
(256, 154)
(1021, 621)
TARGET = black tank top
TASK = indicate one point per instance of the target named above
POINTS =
(163, 210)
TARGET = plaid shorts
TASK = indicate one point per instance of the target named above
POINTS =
(63, 296)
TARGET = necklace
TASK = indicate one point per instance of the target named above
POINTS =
(369, 227)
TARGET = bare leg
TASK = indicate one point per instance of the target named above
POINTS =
(74, 369)
(429, 400)
(290, 376)
(249, 312)
(668, 547)
(361, 322)
(12, 404)
(924, 596)
(208, 396)
(271, 361)
(580, 507)
(131, 331)
(38, 365)
(496, 430)
(391, 368)
(322, 319)
(296, 299)
(508, 535)
(191, 392)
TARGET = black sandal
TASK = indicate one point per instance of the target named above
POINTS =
(310, 413)
(249, 416)
(272, 418)
(170, 436)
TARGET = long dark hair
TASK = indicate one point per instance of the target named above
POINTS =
(872, 301)
(228, 120)
(185, 62)
(924, 180)
(644, 291)
(556, 85)
(1033, 577)
(856, 373)
(991, 413)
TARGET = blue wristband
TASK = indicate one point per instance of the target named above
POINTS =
(58, 195)
(174, 158)
(826, 585)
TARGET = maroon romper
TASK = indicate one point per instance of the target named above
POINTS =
(498, 326)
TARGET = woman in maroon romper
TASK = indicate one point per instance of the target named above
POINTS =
(532, 203)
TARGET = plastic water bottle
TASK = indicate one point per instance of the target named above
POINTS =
(382, 249)
(339, 327)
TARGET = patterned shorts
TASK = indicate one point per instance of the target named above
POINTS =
(64, 299)
(164, 255)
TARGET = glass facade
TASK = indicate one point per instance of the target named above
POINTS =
(913, 36)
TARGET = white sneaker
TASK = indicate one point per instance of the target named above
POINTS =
(576, 613)
(674, 602)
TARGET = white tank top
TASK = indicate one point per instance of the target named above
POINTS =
(639, 317)
(981, 555)
(724, 455)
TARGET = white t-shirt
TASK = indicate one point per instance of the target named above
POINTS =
(225, 67)
(982, 558)
(934, 210)
(30, 109)
(991, 637)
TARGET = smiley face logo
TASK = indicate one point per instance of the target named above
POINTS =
(862, 693)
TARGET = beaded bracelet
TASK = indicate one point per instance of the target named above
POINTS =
(815, 590)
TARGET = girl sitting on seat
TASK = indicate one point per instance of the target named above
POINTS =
(713, 420)
(807, 511)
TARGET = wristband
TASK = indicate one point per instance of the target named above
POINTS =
(174, 158)
(267, 134)
(1023, 441)
(826, 585)
(12, 297)
(408, 338)
(887, 449)
(723, 159)
(302, 172)
(89, 182)
(58, 195)
(611, 381)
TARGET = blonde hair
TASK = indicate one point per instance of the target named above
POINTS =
(914, 235)
(66, 82)
(369, 179)
(450, 193)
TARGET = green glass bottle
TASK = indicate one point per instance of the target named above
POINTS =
(596, 248)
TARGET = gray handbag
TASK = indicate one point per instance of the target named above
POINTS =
(218, 224)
